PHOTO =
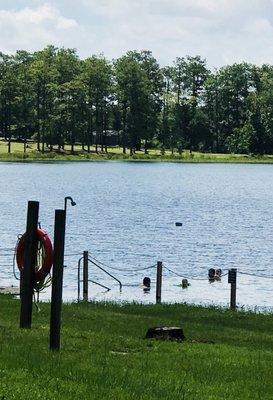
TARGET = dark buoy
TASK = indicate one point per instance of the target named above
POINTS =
(147, 282)
(166, 333)
(178, 224)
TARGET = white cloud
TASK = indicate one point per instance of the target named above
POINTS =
(34, 28)
(222, 31)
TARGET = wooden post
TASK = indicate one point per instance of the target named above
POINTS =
(30, 257)
(57, 280)
(21, 285)
(85, 276)
(158, 282)
(79, 279)
(232, 279)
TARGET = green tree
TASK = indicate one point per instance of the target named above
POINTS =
(43, 74)
(67, 68)
(153, 91)
(164, 134)
(97, 76)
(189, 76)
(226, 94)
(25, 121)
(8, 96)
(132, 96)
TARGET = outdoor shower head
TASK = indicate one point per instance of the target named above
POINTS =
(72, 202)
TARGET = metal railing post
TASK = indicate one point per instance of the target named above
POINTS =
(85, 275)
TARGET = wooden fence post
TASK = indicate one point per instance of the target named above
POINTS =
(85, 275)
(57, 280)
(232, 279)
(158, 282)
(30, 256)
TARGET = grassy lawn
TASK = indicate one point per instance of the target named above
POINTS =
(104, 356)
(115, 153)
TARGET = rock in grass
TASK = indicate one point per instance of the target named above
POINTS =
(166, 333)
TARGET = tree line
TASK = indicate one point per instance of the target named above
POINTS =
(55, 98)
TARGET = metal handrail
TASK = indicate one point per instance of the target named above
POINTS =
(99, 284)
(108, 273)
(96, 283)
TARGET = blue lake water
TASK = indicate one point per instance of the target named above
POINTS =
(125, 217)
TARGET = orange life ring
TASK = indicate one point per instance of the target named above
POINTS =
(45, 245)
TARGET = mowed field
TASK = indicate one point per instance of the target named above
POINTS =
(104, 355)
(116, 153)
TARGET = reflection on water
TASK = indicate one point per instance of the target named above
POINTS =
(126, 214)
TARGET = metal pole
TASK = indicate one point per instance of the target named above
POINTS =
(232, 279)
(30, 257)
(57, 280)
(158, 282)
(72, 202)
(85, 276)
(65, 206)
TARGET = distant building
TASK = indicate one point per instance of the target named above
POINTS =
(110, 138)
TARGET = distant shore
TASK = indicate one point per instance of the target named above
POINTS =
(185, 157)
(31, 154)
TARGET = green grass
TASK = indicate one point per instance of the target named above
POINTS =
(115, 153)
(104, 356)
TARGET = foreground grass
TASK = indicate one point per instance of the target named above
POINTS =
(115, 153)
(104, 355)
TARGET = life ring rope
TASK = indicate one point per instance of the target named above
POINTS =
(44, 255)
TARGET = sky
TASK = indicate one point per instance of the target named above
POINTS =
(221, 31)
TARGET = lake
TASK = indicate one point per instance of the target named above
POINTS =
(125, 217)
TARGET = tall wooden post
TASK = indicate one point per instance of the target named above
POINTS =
(232, 279)
(57, 280)
(21, 285)
(30, 257)
(85, 276)
(158, 282)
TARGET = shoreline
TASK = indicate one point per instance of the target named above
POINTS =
(200, 158)
(12, 292)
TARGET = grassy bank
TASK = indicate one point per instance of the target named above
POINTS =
(115, 153)
(104, 355)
